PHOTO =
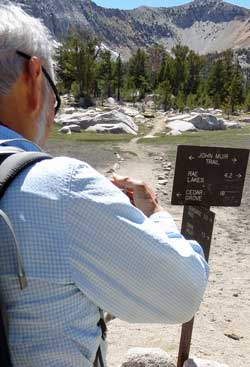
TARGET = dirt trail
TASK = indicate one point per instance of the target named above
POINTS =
(137, 167)
(159, 126)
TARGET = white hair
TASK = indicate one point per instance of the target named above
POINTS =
(21, 32)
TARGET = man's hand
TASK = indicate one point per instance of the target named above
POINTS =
(140, 194)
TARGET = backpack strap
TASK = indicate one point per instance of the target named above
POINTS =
(4, 348)
(9, 170)
(22, 140)
(15, 163)
(14, 160)
(20, 269)
(6, 151)
(99, 362)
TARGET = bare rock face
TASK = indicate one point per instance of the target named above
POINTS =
(74, 128)
(246, 119)
(206, 121)
(112, 121)
(197, 362)
(182, 116)
(111, 101)
(70, 128)
(65, 130)
(198, 121)
(147, 357)
(111, 128)
(181, 125)
(69, 110)
(199, 110)
(115, 118)
(83, 118)
(130, 111)
(232, 125)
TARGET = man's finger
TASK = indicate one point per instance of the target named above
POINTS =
(126, 183)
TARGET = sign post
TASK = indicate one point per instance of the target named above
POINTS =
(197, 224)
(204, 177)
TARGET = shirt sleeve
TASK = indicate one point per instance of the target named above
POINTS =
(137, 268)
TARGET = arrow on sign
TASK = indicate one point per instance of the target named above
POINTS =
(239, 175)
(234, 160)
(178, 194)
(191, 158)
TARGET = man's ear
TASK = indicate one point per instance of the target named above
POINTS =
(34, 77)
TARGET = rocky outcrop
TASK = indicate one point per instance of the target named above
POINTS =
(245, 119)
(180, 125)
(130, 111)
(116, 119)
(198, 121)
(147, 357)
(65, 130)
(112, 121)
(119, 128)
(206, 121)
(232, 125)
(83, 118)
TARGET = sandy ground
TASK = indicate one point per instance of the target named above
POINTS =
(226, 305)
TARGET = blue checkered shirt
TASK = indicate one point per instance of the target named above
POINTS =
(85, 247)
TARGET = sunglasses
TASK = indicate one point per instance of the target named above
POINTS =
(50, 81)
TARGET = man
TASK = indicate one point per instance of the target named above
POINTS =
(85, 248)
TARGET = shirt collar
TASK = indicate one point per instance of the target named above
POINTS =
(27, 145)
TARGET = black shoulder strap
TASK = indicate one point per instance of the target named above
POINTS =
(10, 167)
(4, 349)
(14, 164)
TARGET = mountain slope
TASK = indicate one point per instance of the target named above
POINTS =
(203, 25)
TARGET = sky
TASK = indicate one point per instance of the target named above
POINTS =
(130, 4)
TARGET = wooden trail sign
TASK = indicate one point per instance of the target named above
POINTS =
(204, 177)
(209, 176)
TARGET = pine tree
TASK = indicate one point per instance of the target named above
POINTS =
(156, 55)
(194, 65)
(191, 101)
(139, 72)
(235, 90)
(180, 100)
(247, 101)
(118, 76)
(179, 68)
(229, 66)
(202, 97)
(105, 73)
(66, 59)
(216, 84)
(167, 71)
(164, 91)
(91, 52)
(77, 66)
